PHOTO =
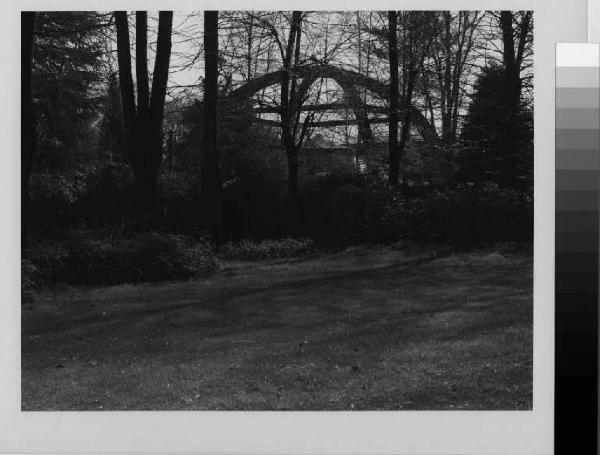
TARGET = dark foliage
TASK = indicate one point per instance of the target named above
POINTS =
(376, 212)
(112, 141)
(253, 169)
(271, 184)
(338, 209)
(67, 71)
(95, 196)
(111, 257)
(494, 149)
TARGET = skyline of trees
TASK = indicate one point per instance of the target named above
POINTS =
(353, 78)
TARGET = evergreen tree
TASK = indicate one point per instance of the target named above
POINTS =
(496, 147)
(67, 72)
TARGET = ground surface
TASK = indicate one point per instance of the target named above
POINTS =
(368, 328)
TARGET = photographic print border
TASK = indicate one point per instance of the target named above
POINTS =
(416, 432)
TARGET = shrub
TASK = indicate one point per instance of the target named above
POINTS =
(53, 198)
(96, 195)
(94, 261)
(157, 257)
(377, 212)
(198, 259)
(361, 211)
(49, 259)
(90, 259)
(267, 249)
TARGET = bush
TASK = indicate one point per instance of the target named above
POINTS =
(468, 213)
(94, 196)
(376, 212)
(366, 211)
(90, 259)
(157, 257)
(49, 259)
(267, 249)
(53, 198)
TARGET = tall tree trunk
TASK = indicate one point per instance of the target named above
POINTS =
(27, 120)
(292, 159)
(394, 156)
(406, 121)
(141, 59)
(511, 90)
(512, 78)
(211, 173)
(288, 95)
(446, 89)
(143, 124)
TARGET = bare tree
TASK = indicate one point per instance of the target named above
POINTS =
(516, 36)
(211, 173)
(143, 123)
(416, 41)
(292, 93)
(394, 152)
(451, 55)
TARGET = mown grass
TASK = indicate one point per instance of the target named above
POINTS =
(367, 328)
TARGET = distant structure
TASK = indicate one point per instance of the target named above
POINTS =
(350, 82)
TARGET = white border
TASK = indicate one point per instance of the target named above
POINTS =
(464, 432)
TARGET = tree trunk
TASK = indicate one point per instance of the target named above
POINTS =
(161, 68)
(145, 153)
(27, 120)
(292, 156)
(446, 89)
(512, 76)
(406, 122)
(141, 60)
(211, 173)
(394, 156)
(293, 201)
(143, 125)
(146, 196)
(288, 136)
(511, 89)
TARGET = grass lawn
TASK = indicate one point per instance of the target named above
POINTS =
(367, 328)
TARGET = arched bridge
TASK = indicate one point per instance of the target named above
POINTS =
(349, 81)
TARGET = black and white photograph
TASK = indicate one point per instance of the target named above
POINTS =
(248, 210)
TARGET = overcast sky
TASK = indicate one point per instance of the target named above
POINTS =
(326, 29)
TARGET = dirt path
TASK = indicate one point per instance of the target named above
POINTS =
(370, 328)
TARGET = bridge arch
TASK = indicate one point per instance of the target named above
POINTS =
(350, 81)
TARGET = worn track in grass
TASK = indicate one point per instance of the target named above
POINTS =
(367, 328)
